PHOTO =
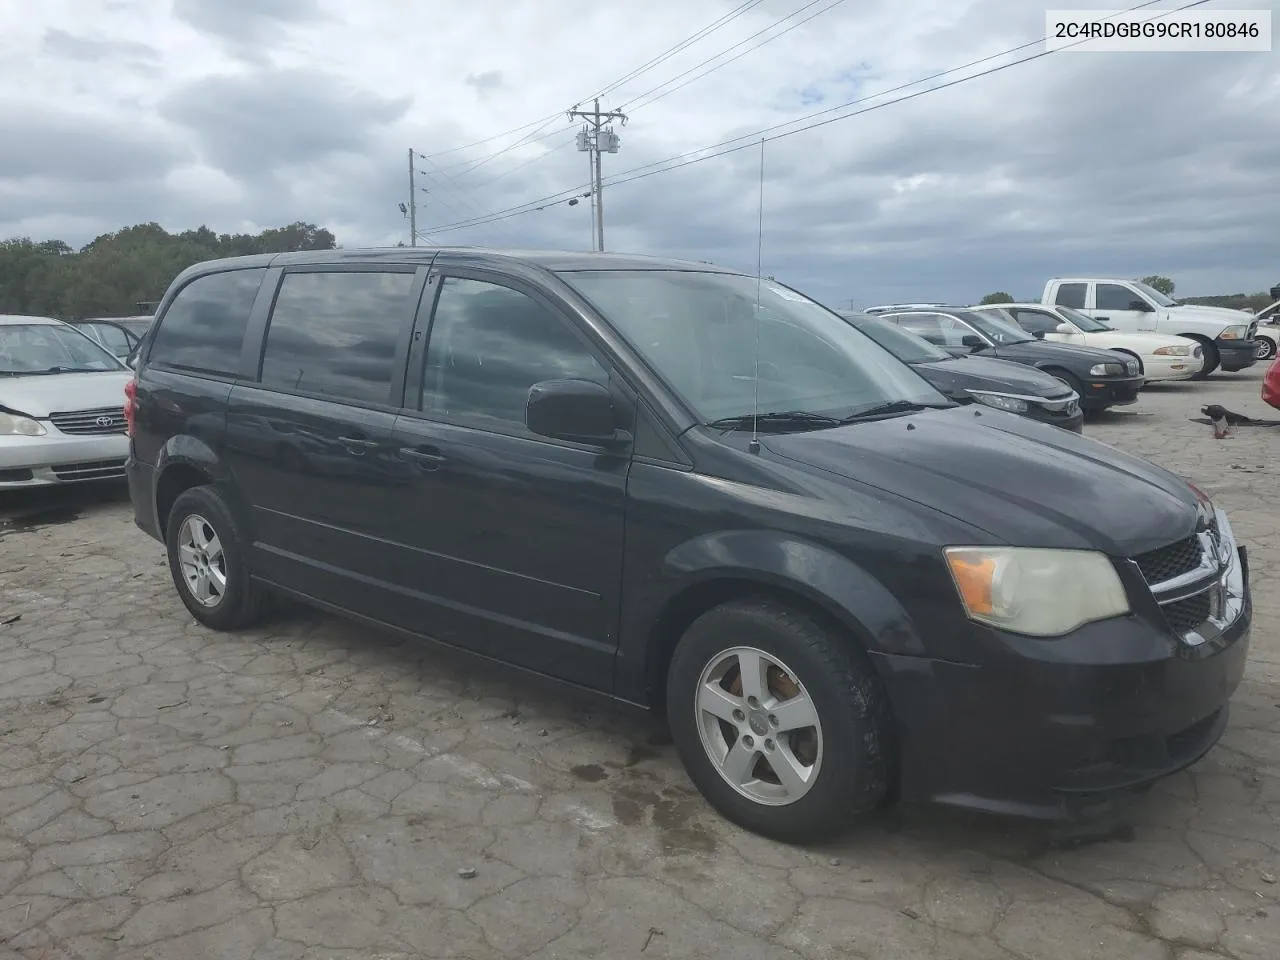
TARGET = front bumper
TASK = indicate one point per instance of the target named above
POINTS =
(1236, 354)
(1161, 368)
(1046, 728)
(1072, 420)
(1101, 392)
(58, 458)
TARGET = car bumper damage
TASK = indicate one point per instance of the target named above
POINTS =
(1047, 728)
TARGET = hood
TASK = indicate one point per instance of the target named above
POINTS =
(1047, 351)
(40, 395)
(1021, 482)
(986, 373)
(1225, 314)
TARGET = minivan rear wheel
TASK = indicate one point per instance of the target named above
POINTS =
(206, 561)
(780, 720)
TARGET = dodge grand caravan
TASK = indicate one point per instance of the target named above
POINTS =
(700, 492)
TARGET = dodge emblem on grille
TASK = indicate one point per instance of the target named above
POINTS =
(104, 421)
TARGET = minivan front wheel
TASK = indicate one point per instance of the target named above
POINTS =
(779, 720)
(206, 561)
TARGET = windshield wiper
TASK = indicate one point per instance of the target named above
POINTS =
(776, 420)
(892, 407)
(73, 370)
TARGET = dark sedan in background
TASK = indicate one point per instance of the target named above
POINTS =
(1102, 378)
(996, 383)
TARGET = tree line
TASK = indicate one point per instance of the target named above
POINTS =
(122, 273)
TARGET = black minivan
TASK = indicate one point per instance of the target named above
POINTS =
(697, 491)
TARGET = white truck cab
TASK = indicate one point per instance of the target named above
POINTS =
(1129, 305)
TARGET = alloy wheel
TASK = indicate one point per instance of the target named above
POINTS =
(759, 726)
(203, 564)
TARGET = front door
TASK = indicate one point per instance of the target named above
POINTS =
(309, 444)
(1118, 306)
(509, 543)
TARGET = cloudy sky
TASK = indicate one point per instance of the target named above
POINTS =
(243, 114)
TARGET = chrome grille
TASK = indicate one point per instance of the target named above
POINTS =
(1168, 562)
(86, 423)
(90, 470)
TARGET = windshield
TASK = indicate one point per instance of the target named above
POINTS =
(996, 325)
(698, 331)
(1156, 296)
(1083, 320)
(33, 348)
(902, 343)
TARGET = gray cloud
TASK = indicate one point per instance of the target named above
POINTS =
(70, 46)
(487, 82)
(246, 26)
(57, 144)
(254, 125)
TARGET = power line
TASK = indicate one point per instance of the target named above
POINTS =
(811, 3)
(748, 140)
(544, 122)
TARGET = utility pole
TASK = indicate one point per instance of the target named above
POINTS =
(413, 204)
(595, 138)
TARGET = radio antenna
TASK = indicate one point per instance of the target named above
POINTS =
(755, 387)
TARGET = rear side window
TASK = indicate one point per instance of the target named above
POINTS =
(203, 329)
(335, 334)
(1071, 295)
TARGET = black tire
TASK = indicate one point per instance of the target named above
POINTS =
(1211, 359)
(857, 752)
(1267, 349)
(241, 602)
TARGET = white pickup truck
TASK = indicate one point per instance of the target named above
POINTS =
(1226, 335)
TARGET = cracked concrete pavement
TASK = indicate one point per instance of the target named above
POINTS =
(313, 789)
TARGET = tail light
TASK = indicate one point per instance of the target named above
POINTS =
(130, 404)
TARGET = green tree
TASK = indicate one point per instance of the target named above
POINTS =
(112, 273)
(997, 297)
(1157, 282)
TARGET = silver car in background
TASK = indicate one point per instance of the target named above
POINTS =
(61, 405)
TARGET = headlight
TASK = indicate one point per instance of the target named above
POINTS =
(1012, 404)
(1172, 351)
(1240, 332)
(16, 425)
(1040, 593)
(1106, 370)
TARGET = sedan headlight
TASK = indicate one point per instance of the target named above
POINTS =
(1240, 332)
(1037, 592)
(1106, 370)
(1172, 351)
(1012, 404)
(16, 425)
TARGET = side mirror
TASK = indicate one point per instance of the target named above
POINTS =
(1038, 334)
(577, 410)
(972, 341)
(1065, 328)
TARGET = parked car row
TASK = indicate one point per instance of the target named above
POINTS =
(691, 490)
(1103, 339)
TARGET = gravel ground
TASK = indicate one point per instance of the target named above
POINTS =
(314, 790)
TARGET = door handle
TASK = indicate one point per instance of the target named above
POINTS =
(357, 446)
(428, 459)
(1103, 319)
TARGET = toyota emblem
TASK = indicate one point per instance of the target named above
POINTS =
(104, 421)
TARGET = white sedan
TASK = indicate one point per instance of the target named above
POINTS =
(1163, 356)
(61, 405)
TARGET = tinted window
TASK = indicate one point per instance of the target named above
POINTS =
(204, 326)
(1033, 321)
(901, 342)
(113, 338)
(335, 334)
(938, 329)
(1112, 296)
(489, 345)
(1071, 295)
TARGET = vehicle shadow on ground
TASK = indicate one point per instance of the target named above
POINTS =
(30, 508)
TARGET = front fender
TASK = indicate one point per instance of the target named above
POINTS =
(776, 561)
